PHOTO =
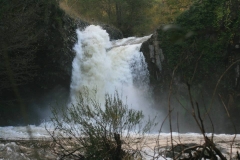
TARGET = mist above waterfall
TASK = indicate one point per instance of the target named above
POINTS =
(110, 66)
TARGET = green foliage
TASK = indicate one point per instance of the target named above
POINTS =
(133, 17)
(96, 131)
(212, 26)
(127, 15)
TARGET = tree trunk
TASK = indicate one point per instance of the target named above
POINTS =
(118, 14)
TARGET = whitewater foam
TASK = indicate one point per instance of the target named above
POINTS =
(108, 66)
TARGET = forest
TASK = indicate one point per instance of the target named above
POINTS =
(131, 17)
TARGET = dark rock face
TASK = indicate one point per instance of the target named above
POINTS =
(155, 59)
(54, 35)
(113, 32)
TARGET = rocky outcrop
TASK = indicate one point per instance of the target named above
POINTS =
(113, 32)
(155, 58)
(47, 35)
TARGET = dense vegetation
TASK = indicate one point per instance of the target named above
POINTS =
(132, 17)
(199, 46)
(205, 38)
(98, 131)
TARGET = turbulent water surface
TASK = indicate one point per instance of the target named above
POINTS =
(15, 144)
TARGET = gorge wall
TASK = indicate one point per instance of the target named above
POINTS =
(37, 52)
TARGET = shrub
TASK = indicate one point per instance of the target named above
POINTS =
(88, 130)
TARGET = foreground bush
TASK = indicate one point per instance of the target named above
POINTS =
(88, 130)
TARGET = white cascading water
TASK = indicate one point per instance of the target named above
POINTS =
(107, 66)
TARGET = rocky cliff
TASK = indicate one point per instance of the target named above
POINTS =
(36, 42)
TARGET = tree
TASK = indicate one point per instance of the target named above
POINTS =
(127, 15)
(198, 47)
(213, 26)
(166, 11)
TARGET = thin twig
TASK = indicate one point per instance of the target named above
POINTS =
(204, 105)
(179, 139)
(235, 130)
(195, 69)
(193, 109)
(218, 82)
(169, 101)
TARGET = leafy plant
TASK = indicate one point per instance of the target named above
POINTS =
(203, 35)
(88, 130)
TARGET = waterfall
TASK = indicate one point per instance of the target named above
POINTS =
(108, 66)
